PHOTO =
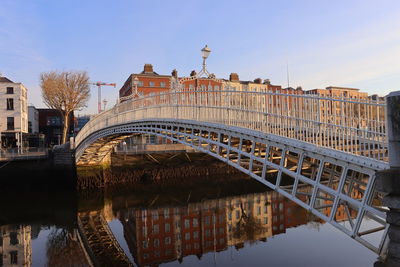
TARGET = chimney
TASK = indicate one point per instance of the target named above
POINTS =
(234, 77)
(267, 81)
(174, 73)
(148, 68)
(258, 80)
(193, 73)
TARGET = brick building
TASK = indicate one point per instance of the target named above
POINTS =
(149, 82)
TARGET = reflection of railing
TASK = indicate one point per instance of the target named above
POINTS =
(355, 126)
(25, 153)
(100, 241)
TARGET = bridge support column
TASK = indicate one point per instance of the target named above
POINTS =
(388, 181)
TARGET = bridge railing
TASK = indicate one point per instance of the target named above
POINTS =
(356, 126)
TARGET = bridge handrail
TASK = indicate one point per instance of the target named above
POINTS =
(354, 125)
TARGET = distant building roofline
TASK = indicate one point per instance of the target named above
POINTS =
(341, 88)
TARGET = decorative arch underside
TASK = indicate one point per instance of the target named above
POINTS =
(337, 187)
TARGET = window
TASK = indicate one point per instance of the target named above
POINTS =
(208, 232)
(195, 222)
(10, 104)
(144, 230)
(216, 87)
(10, 123)
(167, 227)
(259, 211)
(207, 220)
(156, 243)
(162, 84)
(195, 234)
(145, 244)
(53, 121)
(166, 213)
(151, 84)
(187, 236)
(265, 220)
(167, 240)
(187, 223)
(155, 229)
(140, 83)
(155, 215)
(13, 238)
(10, 90)
(145, 256)
(13, 257)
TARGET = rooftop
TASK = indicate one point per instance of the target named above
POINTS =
(5, 80)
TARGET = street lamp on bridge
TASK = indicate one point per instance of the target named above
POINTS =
(205, 52)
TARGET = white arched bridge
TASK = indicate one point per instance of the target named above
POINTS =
(321, 152)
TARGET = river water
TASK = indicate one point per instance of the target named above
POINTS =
(230, 220)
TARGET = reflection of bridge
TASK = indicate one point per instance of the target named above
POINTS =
(341, 140)
(99, 241)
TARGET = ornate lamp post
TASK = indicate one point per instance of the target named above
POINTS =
(205, 52)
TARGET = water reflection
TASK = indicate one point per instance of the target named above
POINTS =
(168, 233)
(150, 224)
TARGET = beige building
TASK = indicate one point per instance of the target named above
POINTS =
(13, 110)
(15, 246)
(248, 214)
(334, 91)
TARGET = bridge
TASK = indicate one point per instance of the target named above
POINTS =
(334, 146)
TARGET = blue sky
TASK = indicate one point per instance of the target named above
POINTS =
(342, 43)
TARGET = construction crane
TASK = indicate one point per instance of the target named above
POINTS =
(99, 84)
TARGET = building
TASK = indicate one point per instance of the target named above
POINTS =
(149, 81)
(15, 245)
(80, 121)
(33, 120)
(14, 112)
(51, 125)
(340, 92)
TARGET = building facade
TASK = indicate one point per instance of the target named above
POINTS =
(33, 120)
(15, 246)
(51, 125)
(14, 111)
(149, 81)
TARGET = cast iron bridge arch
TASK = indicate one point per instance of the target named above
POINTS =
(324, 152)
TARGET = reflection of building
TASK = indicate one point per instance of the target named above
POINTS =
(51, 125)
(241, 209)
(158, 235)
(14, 111)
(15, 246)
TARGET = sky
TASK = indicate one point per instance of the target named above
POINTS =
(322, 43)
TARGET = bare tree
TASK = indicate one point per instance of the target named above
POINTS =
(66, 92)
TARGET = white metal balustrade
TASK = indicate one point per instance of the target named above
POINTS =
(355, 126)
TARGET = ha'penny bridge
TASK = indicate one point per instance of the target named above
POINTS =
(324, 152)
